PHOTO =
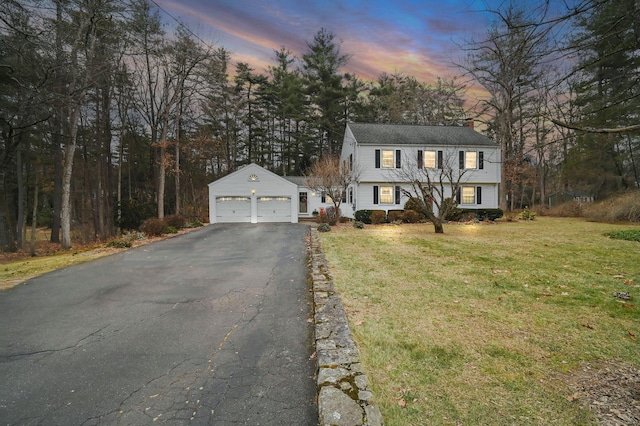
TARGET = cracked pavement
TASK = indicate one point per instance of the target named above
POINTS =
(209, 327)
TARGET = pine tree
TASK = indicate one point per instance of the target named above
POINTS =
(608, 96)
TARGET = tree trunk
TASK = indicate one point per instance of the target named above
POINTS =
(161, 175)
(438, 228)
(21, 198)
(67, 168)
(34, 218)
(57, 180)
(56, 137)
(65, 213)
(177, 170)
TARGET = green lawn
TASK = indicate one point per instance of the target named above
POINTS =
(488, 323)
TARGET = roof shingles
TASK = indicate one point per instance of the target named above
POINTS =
(404, 134)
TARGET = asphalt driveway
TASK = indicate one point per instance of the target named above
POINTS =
(206, 328)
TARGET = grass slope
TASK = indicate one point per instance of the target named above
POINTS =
(486, 323)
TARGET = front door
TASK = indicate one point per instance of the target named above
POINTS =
(303, 202)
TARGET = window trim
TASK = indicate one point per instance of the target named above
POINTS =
(387, 162)
(464, 159)
(430, 156)
(391, 194)
(472, 189)
(467, 154)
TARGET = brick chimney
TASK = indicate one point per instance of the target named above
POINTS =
(468, 122)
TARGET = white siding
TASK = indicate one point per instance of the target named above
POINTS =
(364, 158)
(253, 181)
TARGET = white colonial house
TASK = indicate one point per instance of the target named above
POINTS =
(387, 154)
(383, 153)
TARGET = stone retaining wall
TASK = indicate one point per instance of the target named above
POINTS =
(344, 397)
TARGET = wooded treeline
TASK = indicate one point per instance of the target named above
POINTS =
(107, 117)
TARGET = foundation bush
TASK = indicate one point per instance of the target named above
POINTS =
(378, 216)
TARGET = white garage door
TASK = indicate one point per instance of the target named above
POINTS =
(233, 209)
(274, 209)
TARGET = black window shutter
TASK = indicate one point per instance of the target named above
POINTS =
(375, 194)
(398, 155)
(397, 195)
(461, 160)
(479, 195)
(420, 161)
(481, 160)
(324, 198)
(440, 159)
(344, 197)
(458, 195)
(377, 158)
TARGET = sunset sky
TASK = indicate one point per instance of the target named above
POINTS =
(415, 37)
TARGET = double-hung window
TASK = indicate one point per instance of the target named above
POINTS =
(469, 195)
(430, 159)
(471, 160)
(388, 159)
(386, 194)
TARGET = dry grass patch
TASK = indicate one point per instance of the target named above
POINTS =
(482, 324)
(16, 268)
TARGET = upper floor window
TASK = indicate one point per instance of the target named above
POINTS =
(388, 158)
(471, 159)
(430, 159)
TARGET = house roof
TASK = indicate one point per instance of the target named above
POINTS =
(298, 180)
(245, 171)
(404, 134)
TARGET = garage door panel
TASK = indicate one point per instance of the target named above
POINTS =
(233, 209)
(274, 209)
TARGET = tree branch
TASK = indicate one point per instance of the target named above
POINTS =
(588, 129)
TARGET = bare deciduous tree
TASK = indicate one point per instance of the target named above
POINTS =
(432, 188)
(332, 177)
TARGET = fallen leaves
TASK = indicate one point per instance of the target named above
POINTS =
(574, 397)
(589, 326)
(631, 334)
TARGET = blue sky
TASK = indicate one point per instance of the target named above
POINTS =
(415, 37)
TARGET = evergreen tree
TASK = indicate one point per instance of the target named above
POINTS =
(322, 70)
(608, 95)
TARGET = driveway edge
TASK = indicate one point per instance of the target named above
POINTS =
(344, 396)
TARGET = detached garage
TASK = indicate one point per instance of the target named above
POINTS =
(253, 194)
